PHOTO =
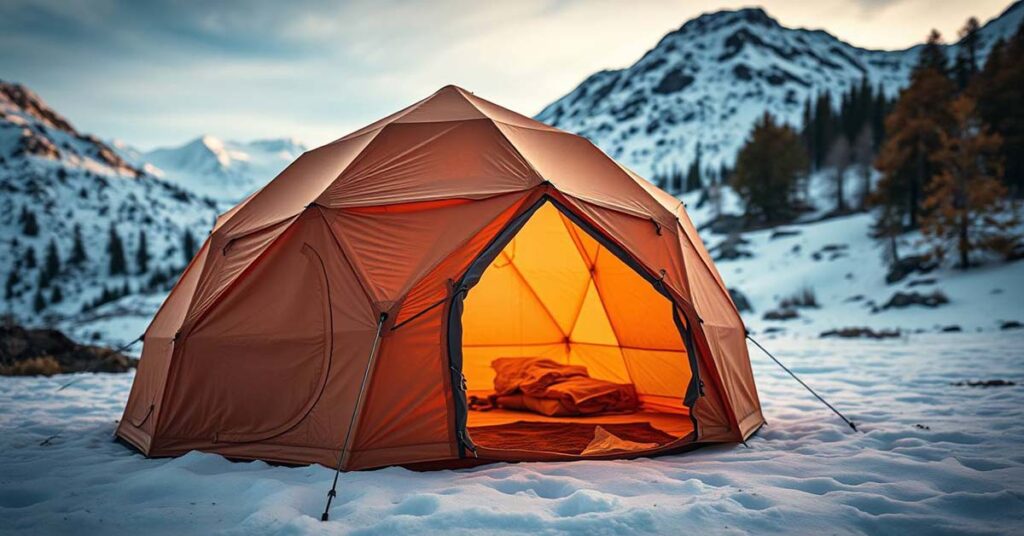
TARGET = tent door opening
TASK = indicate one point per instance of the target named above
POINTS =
(560, 348)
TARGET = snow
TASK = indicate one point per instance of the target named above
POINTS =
(932, 458)
(838, 260)
(226, 171)
(724, 70)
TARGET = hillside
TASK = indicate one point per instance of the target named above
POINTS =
(842, 267)
(707, 81)
(55, 178)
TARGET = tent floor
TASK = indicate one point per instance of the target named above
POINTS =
(501, 429)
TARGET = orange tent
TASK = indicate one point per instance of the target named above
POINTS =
(352, 306)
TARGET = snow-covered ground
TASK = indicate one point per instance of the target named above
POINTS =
(933, 458)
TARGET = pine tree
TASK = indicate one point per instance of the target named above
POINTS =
(693, 177)
(999, 92)
(933, 55)
(768, 169)
(12, 281)
(823, 128)
(913, 131)
(879, 111)
(188, 245)
(30, 257)
(863, 154)
(29, 224)
(840, 157)
(52, 265)
(966, 201)
(142, 253)
(967, 54)
(78, 255)
(56, 296)
(38, 301)
(115, 249)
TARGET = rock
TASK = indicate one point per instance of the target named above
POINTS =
(860, 333)
(731, 248)
(951, 329)
(984, 383)
(1010, 324)
(48, 351)
(908, 265)
(781, 314)
(783, 233)
(740, 300)
(920, 282)
(906, 299)
(725, 224)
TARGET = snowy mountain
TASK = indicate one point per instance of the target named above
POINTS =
(709, 80)
(54, 178)
(226, 171)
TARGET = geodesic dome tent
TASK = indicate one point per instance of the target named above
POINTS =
(355, 306)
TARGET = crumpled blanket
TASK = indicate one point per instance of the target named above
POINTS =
(543, 386)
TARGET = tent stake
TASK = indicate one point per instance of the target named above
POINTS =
(808, 387)
(355, 411)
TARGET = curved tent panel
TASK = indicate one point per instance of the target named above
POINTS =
(410, 162)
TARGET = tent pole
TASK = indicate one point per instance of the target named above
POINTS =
(355, 411)
(816, 395)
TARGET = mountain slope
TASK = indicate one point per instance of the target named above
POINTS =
(709, 80)
(226, 171)
(54, 178)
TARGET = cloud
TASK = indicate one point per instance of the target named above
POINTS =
(160, 72)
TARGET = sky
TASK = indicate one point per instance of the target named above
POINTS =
(159, 73)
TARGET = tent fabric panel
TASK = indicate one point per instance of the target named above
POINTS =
(690, 240)
(503, 115)
(407, 397)
(295, 187)
(658, 372)
(506, 308)
(729, 347)
(543, 256)
(592, 324)
(655, 247)
(157, 350)
(604, 362)
(433, 288)
(579, 169)
(298, 320)
(640, 316)
(424, 161)
(448, 104)
(226, 261)
(393, 249)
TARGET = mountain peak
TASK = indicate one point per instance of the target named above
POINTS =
(707, 22)
(708, 81)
